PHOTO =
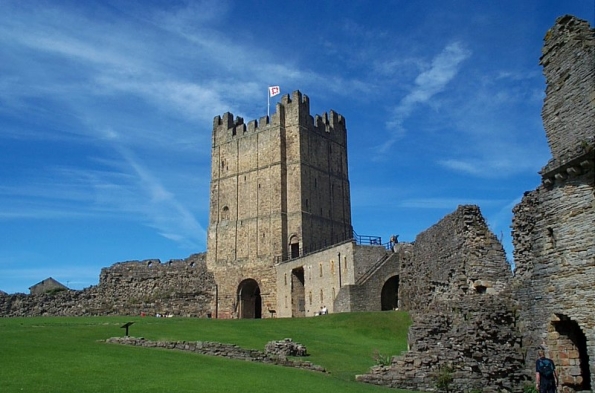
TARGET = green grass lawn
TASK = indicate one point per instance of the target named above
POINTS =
(54, 354)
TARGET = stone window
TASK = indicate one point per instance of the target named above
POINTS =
(225, 213)
(310, 297)
(344, 264)
(332, 266)
(321, 296)
(320, 266)
(285, 279)
(334, 294)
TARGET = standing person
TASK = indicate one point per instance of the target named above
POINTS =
(546, 377)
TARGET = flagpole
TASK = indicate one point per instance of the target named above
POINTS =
(268, 102)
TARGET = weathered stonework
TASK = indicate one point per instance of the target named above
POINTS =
(279, 189)
(553, 226)
(275, 351)
(178, 287)
(459, 255)
(345, 277)
(453, 283)
(474, 337)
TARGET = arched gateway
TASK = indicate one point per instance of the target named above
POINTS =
(249, 301)
(389, 297)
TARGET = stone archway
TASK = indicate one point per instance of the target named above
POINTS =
(249, 300)
(294, 247)
(568, 348)
(389, 297)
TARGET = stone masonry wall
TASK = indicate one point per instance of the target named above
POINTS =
(474, 339)
(568, 60)
(457, 255)
(553, 226)
(275, 351)
(325, 273)
(178, 287)
(554, 244)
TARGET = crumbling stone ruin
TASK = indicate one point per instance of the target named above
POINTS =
(454, 285)
(474, 339)
(275, 352)
(491, 343)
(553, 226)
(178, 287)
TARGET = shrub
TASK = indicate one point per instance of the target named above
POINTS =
(380, 359)
(444, 378)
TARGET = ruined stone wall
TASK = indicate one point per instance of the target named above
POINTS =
(553, 233)
(457, 255)
(569, 108)
(178, 287)
(473, 338)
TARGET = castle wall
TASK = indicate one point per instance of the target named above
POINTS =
(553, 225)
(456, 256)
(569, 108)
(345, 277)
(178, 287)
(475, 342)
(554, 244)
(325, 273)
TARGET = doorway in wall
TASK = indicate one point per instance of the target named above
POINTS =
(294, 247)
(249, 300)
(298, 293)
(389, 297)
(568, 346)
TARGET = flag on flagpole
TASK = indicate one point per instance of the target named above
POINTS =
(274, 90)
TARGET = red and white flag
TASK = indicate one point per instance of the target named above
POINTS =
(274, 90)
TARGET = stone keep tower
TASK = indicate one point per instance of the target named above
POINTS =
(279, 189)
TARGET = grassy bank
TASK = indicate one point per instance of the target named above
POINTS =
(70, 355)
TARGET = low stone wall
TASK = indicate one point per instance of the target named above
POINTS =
(275, 351)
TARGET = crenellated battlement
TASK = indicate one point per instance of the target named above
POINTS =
(292, 109)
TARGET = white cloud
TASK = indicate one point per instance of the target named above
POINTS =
(443, 68)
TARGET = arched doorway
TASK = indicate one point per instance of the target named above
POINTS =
(569, 352)
(294, 247)
(389, 297)
(249, 300)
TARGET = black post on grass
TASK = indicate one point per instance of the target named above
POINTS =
(126, 326)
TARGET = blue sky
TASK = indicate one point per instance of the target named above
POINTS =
(106, 111)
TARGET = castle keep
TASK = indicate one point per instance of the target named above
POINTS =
(279, 189)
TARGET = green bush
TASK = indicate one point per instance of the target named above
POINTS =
(444, 379)
(380, 359)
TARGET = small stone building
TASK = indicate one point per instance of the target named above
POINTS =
(49, 284)
(342, 278)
